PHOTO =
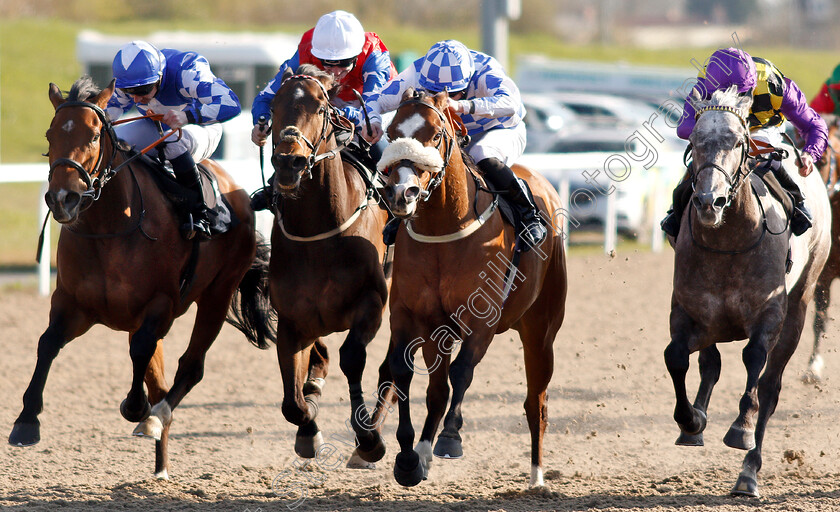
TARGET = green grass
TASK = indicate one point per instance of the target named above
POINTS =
(20, 225)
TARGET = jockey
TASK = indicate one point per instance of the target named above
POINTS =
(827, 101)
(491, 109)
(775, 99)
(181, 86)
(358, 60)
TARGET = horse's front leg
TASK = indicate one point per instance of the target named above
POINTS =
(683, 332)
(142, 345)
(741, 434)
(352, 356)
(408, 468)
(709, 363)
(473, 348)
(769, 387)
(300, 395)
(66, 323)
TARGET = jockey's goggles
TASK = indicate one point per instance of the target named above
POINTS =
(343, 63)
(140, 90)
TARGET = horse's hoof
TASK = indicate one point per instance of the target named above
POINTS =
(357, 462)
(746, 486)
(448, 448)
(371, 451)
(697, 425)
(162, 475)
(135, 416)
(739, 438)
(25, 434)
(151, 427)
(306, 446)
(408, 471)
(690, 439)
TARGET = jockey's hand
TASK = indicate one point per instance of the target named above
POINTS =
(258, 135)
(805, 164)
(373, 137)
(175, 119)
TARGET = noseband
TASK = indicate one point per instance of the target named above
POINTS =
(94, 183)
(328, 112)
(445, 138)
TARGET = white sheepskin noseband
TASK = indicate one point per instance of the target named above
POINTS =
(406, 148)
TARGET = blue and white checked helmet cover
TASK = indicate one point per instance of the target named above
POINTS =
(447, 65)
(138, 63)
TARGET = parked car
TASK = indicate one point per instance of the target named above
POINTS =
(546, 120)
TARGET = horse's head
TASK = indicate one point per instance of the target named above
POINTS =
(78, 137)
(720, 142)
(415, 161)
(302, 120)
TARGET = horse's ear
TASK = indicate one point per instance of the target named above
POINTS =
(744, 104)
(694, 99)
(408, 94)
(102, 98)
(55, 95)
(441, 99)
(286, 74)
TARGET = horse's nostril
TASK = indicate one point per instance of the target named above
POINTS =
(411, 193)
(71, 200)
(388, 193)
(720, 202)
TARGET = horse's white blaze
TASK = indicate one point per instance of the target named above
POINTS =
(410, 126)
(537, 477)
(68, 126)
(405, 179)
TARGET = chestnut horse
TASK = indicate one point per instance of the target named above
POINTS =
(120, 261)
(732, 280)
(829, 167)
(326, 260)
(449, 284)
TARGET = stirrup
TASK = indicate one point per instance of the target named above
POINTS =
(196, 227)
(533, 233)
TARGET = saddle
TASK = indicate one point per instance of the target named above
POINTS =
(219, 212)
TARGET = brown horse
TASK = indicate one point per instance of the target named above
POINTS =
(120, 262)
(829, 167)
(326, 260)
(732, 280)
(449, 282)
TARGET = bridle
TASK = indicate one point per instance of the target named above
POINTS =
(99, 176)
(742, 170)
(331, 116)
(447, 139)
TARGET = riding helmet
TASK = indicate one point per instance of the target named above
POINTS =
(447, 65)
(337, 36)
(138, 63)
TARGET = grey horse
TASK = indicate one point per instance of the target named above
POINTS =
(730, 279)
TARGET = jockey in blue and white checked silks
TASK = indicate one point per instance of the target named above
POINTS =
(490, 106)
(181, 86)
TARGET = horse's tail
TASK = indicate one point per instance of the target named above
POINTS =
(250, 309)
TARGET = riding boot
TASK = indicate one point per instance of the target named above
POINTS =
(502, 178)
(389, 232)
(260, 199)
(800, 219)
(682, 195)
(186, 173)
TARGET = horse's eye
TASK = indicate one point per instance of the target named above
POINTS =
(437, 136)
(95, 138)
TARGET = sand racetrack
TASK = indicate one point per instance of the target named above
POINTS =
(609, 446)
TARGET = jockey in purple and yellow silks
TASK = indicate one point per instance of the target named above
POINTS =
(776, 98)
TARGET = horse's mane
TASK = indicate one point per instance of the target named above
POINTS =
(83, 89)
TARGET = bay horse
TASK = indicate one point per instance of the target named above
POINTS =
(829, 167)
(120, 261)
(730, 279)
(326, 261)
(451, 256)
